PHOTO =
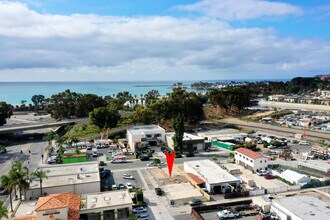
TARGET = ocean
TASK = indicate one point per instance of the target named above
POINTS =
(14, 92)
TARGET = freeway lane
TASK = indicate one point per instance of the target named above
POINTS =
(310, 134)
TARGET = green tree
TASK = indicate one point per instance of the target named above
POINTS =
(20, 180)
(3, 210)
(104, 118)
(156, 161)
(143, 115)
(40, 174)
(38, 101)
(132, 217)
(151, 96)
(178, 126)
(5, 112)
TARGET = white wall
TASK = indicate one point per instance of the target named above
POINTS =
(59, 214)
(257, 164)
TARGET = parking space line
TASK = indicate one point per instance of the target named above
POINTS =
(143, 180)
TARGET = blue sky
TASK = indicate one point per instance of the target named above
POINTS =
(163, 39)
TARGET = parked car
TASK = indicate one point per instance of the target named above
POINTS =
(101, 163)
(95, 154)
(139, 209)
(144, 158)
(128, 177)
(262, 172)
(195, 202)
(158, 191)
(89, 147)
(227, 214)
(105, 173)
(129, 186)
(51, 160)
(121, 186)
(114, 187)
(142, 216)
(268, 176)
(303, 143)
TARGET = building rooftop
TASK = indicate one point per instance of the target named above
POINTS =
(307, 206)
(181, 191)
(106, 199)
(66, 169)
(196, 178)
(186, 136)
(66, 174)
(63, 180)
(249, 153)
(292, 175)
(136, 130)
(210, 172)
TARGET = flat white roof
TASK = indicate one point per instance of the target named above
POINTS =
(181, 191)
(186, 136)
(67, 174)
(210, 172)
(293, 175)
(308, 206)
(106, 199)
(136, 130)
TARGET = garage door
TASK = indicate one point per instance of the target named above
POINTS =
(217, 189)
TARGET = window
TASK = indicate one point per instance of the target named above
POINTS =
(265, 161)
(251, 161)
(157, 135)
(240, 155)
(260, 161)
(148, 135)
(243, 157)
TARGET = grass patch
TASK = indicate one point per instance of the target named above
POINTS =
(82, 130)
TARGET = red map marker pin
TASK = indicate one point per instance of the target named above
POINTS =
(170, 162)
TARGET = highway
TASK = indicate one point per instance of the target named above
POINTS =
(254, 125)
(24, 127)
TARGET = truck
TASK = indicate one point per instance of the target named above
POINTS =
(119, 159)
(227, 214)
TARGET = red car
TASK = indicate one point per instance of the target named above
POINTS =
(268, 177)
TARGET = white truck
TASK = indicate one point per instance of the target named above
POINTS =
(227, 214)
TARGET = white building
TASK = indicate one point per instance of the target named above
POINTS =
(250, 160)
(216, 179)
(294, 177)
(79, 178)
(223, 135)
(198, 143)
(306, 206)
(152, 134)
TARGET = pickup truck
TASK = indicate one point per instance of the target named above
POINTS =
(227, 214)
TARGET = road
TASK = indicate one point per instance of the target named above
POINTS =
(254, 125)
(14, 153)
(294, 105)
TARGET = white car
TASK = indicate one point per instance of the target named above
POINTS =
(303, 143)
(114, 187)
(227, 214)
(139, 209)
(128, 177)
(129, 186)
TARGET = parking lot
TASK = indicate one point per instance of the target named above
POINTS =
(116, 178)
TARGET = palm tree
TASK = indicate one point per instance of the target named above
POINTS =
(40, 174)
(17, 165)
(21, 180)
(3, 210)
(7, 183)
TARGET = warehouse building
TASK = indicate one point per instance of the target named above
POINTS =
(250, 160)
(294, 177)
(150, 134)
(189, 140)
(216, 180)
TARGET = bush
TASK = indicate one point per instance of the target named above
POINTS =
(190, 154)
(149, 154)
(178, 155)
(156, 161)
(232, 126)
(162, 148)
(284, 180)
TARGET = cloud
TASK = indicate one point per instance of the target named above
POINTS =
(241, 9)
(45, 47)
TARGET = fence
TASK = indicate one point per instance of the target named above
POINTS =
(183, 173)
(222, 145)
(282, 189)
(257, 192)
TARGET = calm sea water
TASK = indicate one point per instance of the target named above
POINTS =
(14, 92)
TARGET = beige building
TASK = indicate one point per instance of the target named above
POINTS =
(79, 178)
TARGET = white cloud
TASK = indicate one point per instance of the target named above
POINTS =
(241, 9)
(47, 47)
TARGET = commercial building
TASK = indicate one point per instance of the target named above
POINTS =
(181, 194)
(250, 160)
(294, 177)
(69, 206)
(151, 134)
(189, 140)
(223, 135)
(216, 180)
(303, 206)
(79, 178)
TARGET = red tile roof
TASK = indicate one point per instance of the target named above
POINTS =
(249, 153)
(56, 201)
(196, 178)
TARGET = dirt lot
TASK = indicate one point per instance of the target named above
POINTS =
(162, 178)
